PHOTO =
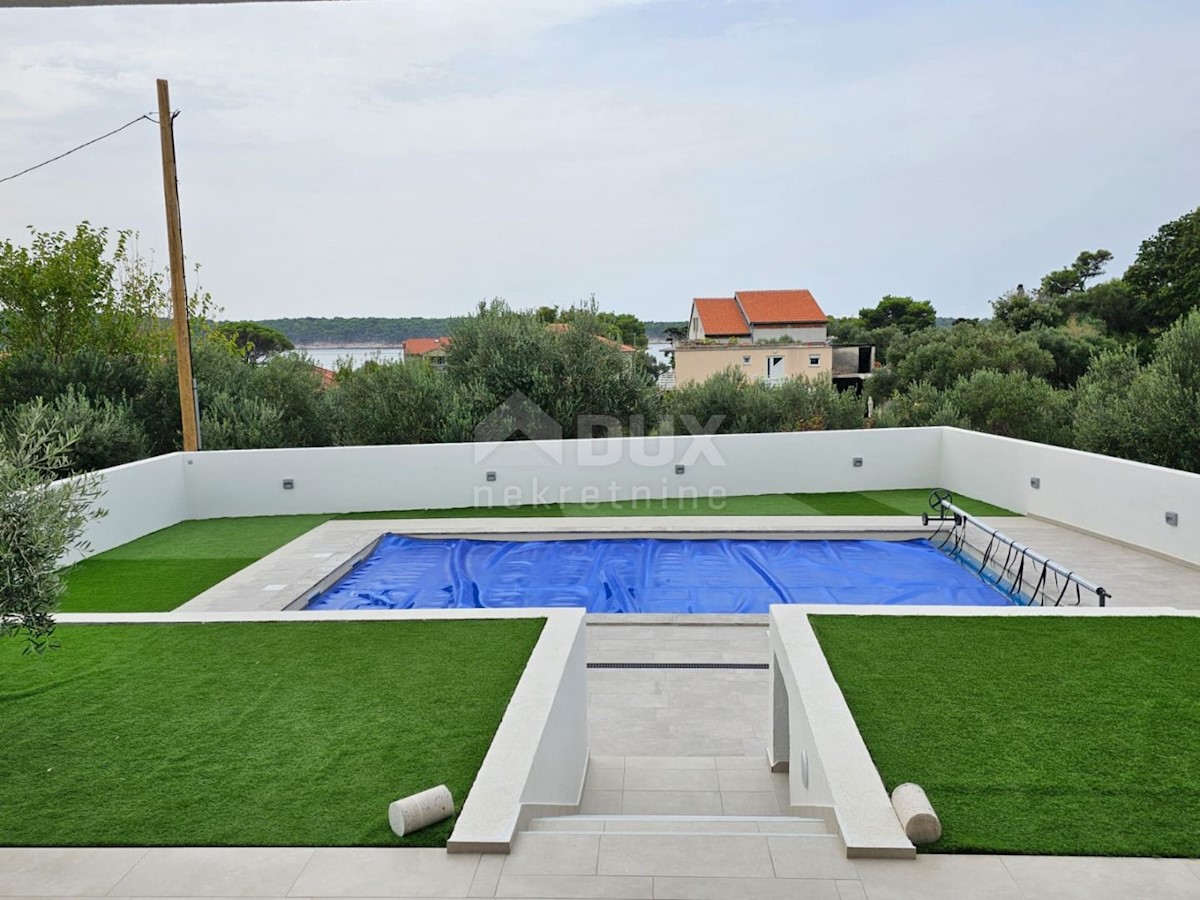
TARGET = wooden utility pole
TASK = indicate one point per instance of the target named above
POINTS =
(183, 338)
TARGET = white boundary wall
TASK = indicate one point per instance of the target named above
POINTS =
(1114, 498)
(140, 497)
(431, 476)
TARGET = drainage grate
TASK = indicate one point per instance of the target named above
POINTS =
(676, 665)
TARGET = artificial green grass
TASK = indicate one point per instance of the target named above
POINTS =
(1033, 735)
(248, 734)
(162, 570)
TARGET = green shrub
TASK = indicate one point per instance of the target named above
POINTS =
(108, 433)
(239, 422)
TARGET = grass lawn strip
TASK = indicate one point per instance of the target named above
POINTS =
(163, 570)
(1038, 735)
(247, 734)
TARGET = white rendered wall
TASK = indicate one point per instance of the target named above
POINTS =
(140, 497)
(1116, 498)
(429, 476)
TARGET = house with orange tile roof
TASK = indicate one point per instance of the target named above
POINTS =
(431, 349)
(758, 316)
(768, 335)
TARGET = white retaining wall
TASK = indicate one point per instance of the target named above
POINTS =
(140, 497)
(431, 476)
(1127, 501)
(1111, 497)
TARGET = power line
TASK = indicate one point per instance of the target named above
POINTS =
(73, 149)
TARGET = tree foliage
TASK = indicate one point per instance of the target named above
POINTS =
(1166, 273)
(905, 313)
(743, 406)
(1146, 412)
(40, 521)
(254, 340)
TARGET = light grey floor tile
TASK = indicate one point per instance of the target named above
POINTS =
(640, 779)
(604, 779)
(605, 762)
(487, 875)
(671, 762)
(601, 803)
(1100, 878)
(63, 871)
(804, 856)
(553, 853)
(850, 890)
(623, 887)
(386, 872)
(713, 824)
(667, 888)
(749, 803)
(752, 762)
(700, 855)
(1193, 866)
(215, 872)
(759, 779)
(671, 803)
(937, 877)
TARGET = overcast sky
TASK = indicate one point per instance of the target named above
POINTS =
(404, 157)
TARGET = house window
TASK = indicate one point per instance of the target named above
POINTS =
(745, 360)
(814, 360)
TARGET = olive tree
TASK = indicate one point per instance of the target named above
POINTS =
(40, 520)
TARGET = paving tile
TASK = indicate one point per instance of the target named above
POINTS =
(1193, 866)
(386, 872)
(850, 890)
(749, 803)
(671, 803)
(758, 779)
(790, 825)
(937, 877)
(487, 875)
(214, 872)
(671, 762)
(699, 855)
(668, 888)
(624, 887)
(604, 779)
(639, 779)
(605, 762)
(809, 856)
(63, 871)
(1100, 878)
(712, 824)
(601, 803)
(736, 763)
(553, 853)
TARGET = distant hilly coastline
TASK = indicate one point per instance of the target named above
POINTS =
(377, 332)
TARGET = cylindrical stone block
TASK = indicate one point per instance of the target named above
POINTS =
(916, 814)
(409, 814)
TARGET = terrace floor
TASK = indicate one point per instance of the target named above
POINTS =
(680, 741)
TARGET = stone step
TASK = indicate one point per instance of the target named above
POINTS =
(680, 825)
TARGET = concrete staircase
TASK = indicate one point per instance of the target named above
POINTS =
(682, 825)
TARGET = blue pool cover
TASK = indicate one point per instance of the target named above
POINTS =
(649, 575)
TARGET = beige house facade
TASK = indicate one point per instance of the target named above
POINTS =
(759, 362)
(767, 335)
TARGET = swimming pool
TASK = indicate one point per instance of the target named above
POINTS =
(653, 575)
